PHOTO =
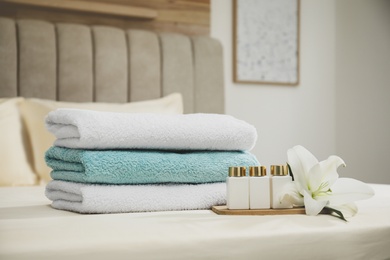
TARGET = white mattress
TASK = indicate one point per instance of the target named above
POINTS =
(31, 229)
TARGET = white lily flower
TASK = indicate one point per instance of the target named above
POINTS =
(317, 184)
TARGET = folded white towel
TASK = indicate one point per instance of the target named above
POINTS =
(86, 129)
(87, 198)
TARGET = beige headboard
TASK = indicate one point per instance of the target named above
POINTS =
(72, 62)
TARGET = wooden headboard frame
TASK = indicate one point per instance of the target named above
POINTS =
(80, 63)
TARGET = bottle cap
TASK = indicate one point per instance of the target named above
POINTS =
(279, 170)
(257, 171)
(237, 171)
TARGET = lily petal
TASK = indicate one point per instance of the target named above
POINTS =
(300, 161)
(323, 175)
(312, 206)
(306, 157)
(348, 210)
(315, 177)
(346, 190)
(330, 166)
(292, 196)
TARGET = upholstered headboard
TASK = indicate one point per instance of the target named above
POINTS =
(72, 62)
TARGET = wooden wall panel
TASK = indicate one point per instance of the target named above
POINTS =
(191, 17)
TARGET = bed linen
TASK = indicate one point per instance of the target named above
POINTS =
(31, 229)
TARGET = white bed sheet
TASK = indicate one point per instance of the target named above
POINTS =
(31, 229)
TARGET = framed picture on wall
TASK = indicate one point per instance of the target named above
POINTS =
(266, 42)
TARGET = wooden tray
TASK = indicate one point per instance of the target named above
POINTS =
(223, 210)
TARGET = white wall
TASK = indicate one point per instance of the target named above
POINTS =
(286, 116)
(363, 88)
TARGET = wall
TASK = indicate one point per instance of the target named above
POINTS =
(286, 116)
(190, 17)
(363, 88)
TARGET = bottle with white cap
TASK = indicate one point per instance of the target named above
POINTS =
(237, 188)
(279, 180)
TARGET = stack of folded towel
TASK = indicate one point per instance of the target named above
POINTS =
(115, 162)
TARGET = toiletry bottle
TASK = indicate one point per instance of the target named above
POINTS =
(237, 188)
(259, 188)
(279, 180)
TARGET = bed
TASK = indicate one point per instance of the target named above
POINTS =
(52, 64)
(31, 229)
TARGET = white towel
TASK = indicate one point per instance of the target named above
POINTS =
(86, 129)
(90, 198)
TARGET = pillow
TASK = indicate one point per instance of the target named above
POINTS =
(34, 112)
(15, 166)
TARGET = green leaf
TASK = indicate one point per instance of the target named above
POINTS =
(290, 171)
(334, 212)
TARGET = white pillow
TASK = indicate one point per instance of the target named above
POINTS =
(34, 112)
(15, 167)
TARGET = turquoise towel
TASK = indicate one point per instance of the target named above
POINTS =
(143, 166)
